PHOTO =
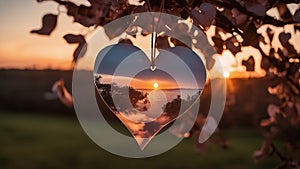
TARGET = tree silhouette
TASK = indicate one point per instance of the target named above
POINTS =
(236, 25)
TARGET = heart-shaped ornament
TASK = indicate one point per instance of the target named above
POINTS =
(146, 101)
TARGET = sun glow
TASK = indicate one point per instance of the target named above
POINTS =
(155, 85)
(226, 74)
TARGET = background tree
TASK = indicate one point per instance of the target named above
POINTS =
(236, 25)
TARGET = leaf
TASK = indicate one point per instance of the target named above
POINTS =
(116, 28)
(87, 15)
(251, 36)
(39, 1)
(223, 22)
(296, 28)
(219, 43)
(265, 63)
(272, 53)
(264, 151)
(132, 30)
(233, 45)
(238, 17)
(71, 38)
(181, 3)
(162, 42)
(210, 62)
(72, 9)
(82, 46)
(60, 92)
(185, 40)
(284, 13)
(49, 23)
(165, 23)
(297, 15)
(257, 8)
(126, 41)
(273, 110)
(180, 28)
(199, 147)
(249, 64)
(140, 22)
(106, 10)
(291, 49)
(277, 90)
(204, 15)
(281, 53)
(185, 13)
(79, 52)
(145, 33)
(284, 38)
(139, 9)
(270, 33)
(229, 14)
(262, 39)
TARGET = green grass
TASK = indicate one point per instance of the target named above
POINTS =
(33, 141)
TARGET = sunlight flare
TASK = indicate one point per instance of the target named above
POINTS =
(226, 74)
(155, 85)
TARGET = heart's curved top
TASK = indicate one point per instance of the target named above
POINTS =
(191, 59)
(109, 58)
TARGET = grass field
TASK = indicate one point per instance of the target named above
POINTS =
(33, 141)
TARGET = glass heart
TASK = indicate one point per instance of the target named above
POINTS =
(146, 101)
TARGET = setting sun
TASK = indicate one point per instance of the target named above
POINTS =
(155, 85)
(226, 74)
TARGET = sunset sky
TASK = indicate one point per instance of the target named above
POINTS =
(137, 82)
(20, 49)
(159, 79)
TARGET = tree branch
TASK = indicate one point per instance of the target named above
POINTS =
(225, 23)
(278, 153)
(273, 61)
(61, 2)
(266, 19)
(274, 3)
(275, 22)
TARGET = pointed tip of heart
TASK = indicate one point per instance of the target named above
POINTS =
(142, 142)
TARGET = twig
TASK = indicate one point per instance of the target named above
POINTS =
(279, 154)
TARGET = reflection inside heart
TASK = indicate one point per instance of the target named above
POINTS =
(149, 96)
(145, 101)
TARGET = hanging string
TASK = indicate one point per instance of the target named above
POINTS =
(149, 5)
(153, 42)
(154, 36)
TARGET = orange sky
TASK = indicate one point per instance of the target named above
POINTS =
(162, 84)
(20, 49)
(142, 84)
